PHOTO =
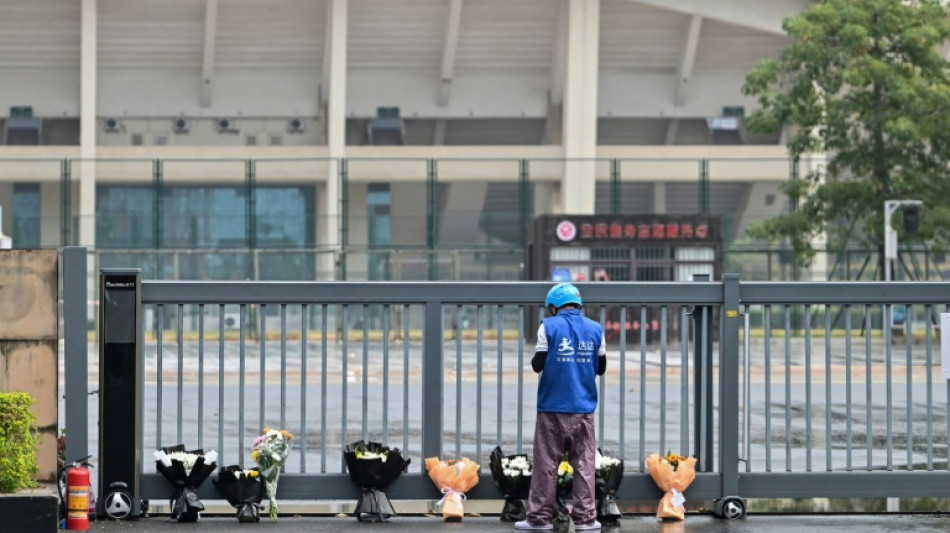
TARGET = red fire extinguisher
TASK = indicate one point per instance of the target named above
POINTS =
(77, 498)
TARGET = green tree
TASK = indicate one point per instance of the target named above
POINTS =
(865, 82)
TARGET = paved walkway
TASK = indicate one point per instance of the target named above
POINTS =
(814, 523)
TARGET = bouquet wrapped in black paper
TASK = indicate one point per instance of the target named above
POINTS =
(243, 489)
(606, 483)
(372, 468)
(186, 471)
(512, 476)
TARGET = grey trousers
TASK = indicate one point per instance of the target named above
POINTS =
(555, 433)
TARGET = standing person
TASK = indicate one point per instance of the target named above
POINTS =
(570, 354)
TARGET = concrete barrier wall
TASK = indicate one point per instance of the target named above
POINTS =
(29, 335)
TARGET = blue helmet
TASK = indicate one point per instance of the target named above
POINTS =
(563, 294)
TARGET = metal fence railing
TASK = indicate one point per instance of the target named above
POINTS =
(779, 389)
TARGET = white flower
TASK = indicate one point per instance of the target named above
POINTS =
(164, 458)
(515, 467)
(605, 461)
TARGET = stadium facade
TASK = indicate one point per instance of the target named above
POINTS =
(378, 139)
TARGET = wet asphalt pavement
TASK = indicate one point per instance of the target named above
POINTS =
(813, 523)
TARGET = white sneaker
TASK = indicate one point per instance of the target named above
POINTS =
(524, 524)
(590, 525)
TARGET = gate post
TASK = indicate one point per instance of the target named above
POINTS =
(75, 353)
(432, 382)
(730, 504)
(729, 388)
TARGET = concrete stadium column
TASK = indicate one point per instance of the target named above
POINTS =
(659, 197)
(336, 129)
(88, 66)
(580, 106)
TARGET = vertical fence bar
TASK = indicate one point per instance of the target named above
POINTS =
(201, 374)
(478, 387)
(159, 337)
(828, 403)
(928, 312)
(869, 407)
(75, 350)
(262, 343)
(386, 312)
(601, 407)
(241, 379)
(405, 379)
(458, 381)
(365, 372)
(345, 373)
(520, 425)
(788, 385)
(643, 387)
(283, 366)
(847, 388)
(623, 378)
(747, 388)
(684, 384)
(768, 388)
(304, 334)
(888, 320)
(663, 381)
(180, 345)
(909, 337)
(705, 445)
(323, 388)
(500, 411)
(432, 380)
(221, 417)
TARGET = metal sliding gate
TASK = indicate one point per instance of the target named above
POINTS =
(779, 389)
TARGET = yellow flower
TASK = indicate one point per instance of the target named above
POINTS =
(267, 430)
(286, 434)
(255, 454)
(565, 468)
(253, 473)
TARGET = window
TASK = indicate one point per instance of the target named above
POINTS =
(379, 228)
(26, 215)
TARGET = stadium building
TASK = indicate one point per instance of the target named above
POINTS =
(381, 139)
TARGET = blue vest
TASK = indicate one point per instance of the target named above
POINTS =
(569, 380)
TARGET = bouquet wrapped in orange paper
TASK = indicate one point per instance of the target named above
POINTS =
(673, 474)
(454, 479)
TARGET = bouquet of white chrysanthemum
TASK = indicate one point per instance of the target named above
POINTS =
(270, 450)
(512, 476)
(606, 482)
(186, 471)
(243, 490)
(372, 468)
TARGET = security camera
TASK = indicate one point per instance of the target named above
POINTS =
(226, 125)
(112, 125)
(296, 125)
(181, 125)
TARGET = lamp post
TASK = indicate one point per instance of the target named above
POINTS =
(890, 236)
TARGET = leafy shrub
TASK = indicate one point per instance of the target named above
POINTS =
(18, 442)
